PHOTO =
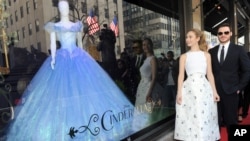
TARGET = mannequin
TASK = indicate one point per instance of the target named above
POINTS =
(63, 7)
(71, 97)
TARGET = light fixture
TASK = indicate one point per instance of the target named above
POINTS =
(219, 23)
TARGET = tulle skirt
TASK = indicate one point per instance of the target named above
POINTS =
(75, 101)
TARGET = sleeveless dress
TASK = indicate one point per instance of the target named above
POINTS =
(76, 101)
(196, 117)
(143, 110)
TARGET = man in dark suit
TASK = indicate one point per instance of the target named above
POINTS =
(107, 48)
(231, 69)
(136, 62)
(170, 80)
(139, 55)
(246, 99)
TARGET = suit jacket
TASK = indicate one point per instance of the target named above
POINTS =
(141, 61)
(135, 71)
(175, 70)
(107, 46)
(234, 73)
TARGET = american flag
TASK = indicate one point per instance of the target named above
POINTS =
(114, 26)
(92, 23)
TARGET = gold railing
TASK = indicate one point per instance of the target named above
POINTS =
(3, 69)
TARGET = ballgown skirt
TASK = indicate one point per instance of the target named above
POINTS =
(75, 101)
(197, 117)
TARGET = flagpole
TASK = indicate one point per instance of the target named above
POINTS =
(4, 70)
(118, 37)
(108, 9)
(116, 14)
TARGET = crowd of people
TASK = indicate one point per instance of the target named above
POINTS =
(127, 74)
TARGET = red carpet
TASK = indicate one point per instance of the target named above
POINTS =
(246, 121)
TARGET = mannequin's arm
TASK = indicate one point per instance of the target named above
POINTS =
(79, 37)
(53, 48)
(79, 40)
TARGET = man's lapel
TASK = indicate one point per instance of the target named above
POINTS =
(216, 54)
(229, 51)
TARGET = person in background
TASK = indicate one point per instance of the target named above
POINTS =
(231, 69)
(149, 90)
(170, 79)
(107, 48)
(139, 55)
(123, 78)
(246, 100)
(240, 105)
(160, 70)
(196, 101)
(136, 62)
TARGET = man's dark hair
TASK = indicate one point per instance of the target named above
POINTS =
(224, 25)
(105, 26)
(138, 41)
(107, 35)
(171, 53)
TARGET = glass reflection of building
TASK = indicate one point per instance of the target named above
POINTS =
(163, 30)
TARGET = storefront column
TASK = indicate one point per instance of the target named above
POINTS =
(197, 14)
(191, 16)
(247, 36)
(233, 20)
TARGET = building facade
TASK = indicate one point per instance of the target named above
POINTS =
(27, 18)
(140, 23)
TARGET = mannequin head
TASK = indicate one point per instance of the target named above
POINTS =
(63, 6)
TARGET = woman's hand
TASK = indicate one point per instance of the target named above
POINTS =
(148, 98)
(216, 97)
(179, 99)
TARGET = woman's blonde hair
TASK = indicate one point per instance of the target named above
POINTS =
(202, 42)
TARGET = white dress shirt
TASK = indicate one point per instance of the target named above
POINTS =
(226, 45)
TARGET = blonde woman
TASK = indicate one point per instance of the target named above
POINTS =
(196, 101)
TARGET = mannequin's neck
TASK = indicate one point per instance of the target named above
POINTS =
(64, 18)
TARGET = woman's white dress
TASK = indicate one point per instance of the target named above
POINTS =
(143, 115)
(196, 117)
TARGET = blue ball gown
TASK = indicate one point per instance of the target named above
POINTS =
(75, 101)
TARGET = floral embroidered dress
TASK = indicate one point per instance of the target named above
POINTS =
(75, 101)
(196, 117)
